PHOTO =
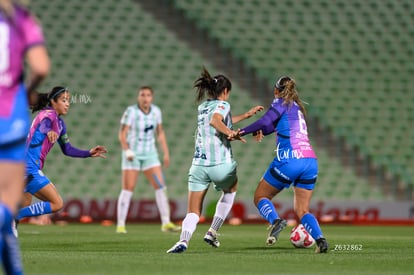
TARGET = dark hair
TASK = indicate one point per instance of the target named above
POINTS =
(213, 86)
(287, 89)
(146, 88)
(45, 98)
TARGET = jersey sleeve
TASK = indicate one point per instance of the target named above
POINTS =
(158, 119)
(32, 31)
(63, 138)
(126, 118)
(266, 123)
(45, 125)
(222, 108)
(67, 148)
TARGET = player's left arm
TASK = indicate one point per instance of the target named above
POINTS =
(265, 124)
(71, 151)
(247, 114)
(162, 141)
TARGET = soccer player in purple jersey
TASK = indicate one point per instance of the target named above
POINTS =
(21, 40)
(295, 162)
(48, 128)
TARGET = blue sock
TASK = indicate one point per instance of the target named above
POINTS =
(10, 250)
(35, 209)
(267, 210)
(312, 226)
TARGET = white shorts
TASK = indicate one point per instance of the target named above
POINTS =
(140, 164)
(223, 176)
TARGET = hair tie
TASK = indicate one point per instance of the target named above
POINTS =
(281, 83)
(57, 93)
(215, 80)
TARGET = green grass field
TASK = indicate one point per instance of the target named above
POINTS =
(95, 249)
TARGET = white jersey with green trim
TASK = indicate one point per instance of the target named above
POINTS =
(142, 126)
(211, 146)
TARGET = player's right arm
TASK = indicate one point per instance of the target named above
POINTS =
(38, 61)
(217, 122)
(37, 56)
(122, 136)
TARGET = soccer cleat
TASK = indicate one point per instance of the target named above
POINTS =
(121, 229)
(211, 239)
(14, 228)
(170, 227)
(274, 231)
(179, 247)
(321, 245)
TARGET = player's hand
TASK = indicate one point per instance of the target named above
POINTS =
(236, 135)
(254, 110)
(98, 151)
(52, 136)
(129, 154)
(258, 136)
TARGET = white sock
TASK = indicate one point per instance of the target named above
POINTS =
(163, 205)
(224, 205)
(189, 225)
(124, 200)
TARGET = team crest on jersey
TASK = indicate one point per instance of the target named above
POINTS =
(148, 128)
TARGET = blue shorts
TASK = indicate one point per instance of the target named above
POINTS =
(223, 176)
(15, 152)
(301, 172)
(36, 180)
(14, 130)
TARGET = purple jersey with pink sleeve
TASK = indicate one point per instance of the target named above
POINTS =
(17, 35)
(37, 143)
(288, 122)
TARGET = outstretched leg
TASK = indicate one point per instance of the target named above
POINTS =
(308, 220)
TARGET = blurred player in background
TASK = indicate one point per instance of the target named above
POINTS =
(48, 128)
(139, 123)
(213, 159)
(21, 40)
(295, 162)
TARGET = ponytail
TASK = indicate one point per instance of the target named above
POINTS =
(44, 99)
(213, 86)
(287, 89)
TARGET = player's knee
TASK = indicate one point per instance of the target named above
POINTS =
(57, 205)
(260, 195)
(257, 198)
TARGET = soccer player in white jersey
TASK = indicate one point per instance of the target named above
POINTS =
(213, 159)
(139, 125)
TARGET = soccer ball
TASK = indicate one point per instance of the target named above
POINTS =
(300, 238)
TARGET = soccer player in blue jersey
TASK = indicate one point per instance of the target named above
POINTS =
(295, 162)
(141, 125)
(21, 41)
(48, 128)
(213, 158)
